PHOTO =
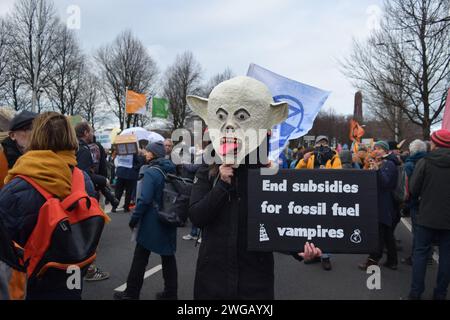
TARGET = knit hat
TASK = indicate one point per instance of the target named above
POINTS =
(441, 138)
(320, 138)
(157, 148)
(382, 144)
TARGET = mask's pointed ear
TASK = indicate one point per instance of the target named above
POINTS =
(199, 106)
(280, 112)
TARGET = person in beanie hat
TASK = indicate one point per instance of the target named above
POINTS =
(19, 135)
(152, 235)
(387, 175)
(383, 145)
(441, 139)
(431, 184)
(157, 149)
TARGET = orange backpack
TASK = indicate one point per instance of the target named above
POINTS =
(67, 233)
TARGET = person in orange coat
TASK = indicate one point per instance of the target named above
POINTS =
(321, 158)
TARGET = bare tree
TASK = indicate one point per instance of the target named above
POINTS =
(90, 98)
(227, 74)
(35, 28)
(64, 90)
(13, 89)
(125, 63)
(181, 79)
(406, 64)
(5, 43)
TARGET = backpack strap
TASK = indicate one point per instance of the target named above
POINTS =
(78, 191)
(160, 170)
(38, 188)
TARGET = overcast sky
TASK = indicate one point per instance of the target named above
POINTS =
(300, 39)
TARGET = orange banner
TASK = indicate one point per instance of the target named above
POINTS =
(136, 103)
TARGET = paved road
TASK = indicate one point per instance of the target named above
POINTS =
(294, 280)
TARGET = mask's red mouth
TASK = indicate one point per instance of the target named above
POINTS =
(229, 146)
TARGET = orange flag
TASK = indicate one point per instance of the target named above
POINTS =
(356, 131)
(136, 103)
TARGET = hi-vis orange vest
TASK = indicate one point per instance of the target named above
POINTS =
(334, 163)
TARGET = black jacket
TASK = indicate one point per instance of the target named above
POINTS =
(388, 212)
(86, 163)
(225, 268)
(84, 157)
(431, 184)
(11, 151)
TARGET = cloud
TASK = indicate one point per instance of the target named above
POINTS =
(6, 6)
(300, 39)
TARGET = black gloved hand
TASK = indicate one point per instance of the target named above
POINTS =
(133, 222)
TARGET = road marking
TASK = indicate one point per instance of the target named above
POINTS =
(408, 226)
(149, 273)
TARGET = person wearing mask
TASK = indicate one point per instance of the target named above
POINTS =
(387, 175)
(15, 145)
(152, 236)
(418, 150)
(49, 161)
(430, 183)
(323, 157)
(226, 270)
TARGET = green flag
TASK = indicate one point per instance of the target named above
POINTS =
(74, 120)
(160, 108)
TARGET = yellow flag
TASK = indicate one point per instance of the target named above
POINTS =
(136, 103)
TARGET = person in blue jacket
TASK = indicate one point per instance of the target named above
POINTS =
(152, 235)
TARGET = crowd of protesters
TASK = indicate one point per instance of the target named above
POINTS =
(46, 148)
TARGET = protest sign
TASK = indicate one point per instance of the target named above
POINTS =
(334, 209)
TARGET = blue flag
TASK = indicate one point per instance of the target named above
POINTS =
(304, 101)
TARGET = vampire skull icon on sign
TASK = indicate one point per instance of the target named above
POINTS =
(237, 113)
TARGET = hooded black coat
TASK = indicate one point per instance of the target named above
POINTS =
(431, 184)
